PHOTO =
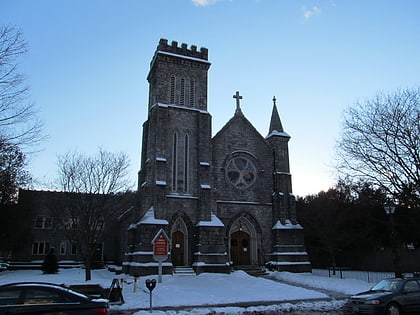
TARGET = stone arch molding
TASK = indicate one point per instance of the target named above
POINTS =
(246, 223)
(181, 223)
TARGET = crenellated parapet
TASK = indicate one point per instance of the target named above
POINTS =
(183, 49)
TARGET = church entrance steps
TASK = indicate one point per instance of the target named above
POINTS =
(184, 271)
(252, 270)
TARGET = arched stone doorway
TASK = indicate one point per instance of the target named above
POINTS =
(243, 248)
(179, 243)
(239, 248)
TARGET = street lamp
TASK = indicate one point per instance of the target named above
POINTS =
(389, 208)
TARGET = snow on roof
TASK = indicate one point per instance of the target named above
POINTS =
(201, 264)
(241, 202)
(214, 221)
(282, 173)
(287, 225)
(183, 56)
(287, 263)
(147, 264)
(177, 195)
(149, 218)
(202, 111)
(278, 133)
(277, 193)
(121, 216)
(289, 253)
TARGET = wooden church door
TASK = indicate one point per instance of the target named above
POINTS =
(177, 248)
(240, 248)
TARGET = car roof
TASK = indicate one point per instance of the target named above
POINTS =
(32, 283)
(404, 278)
(48, 285)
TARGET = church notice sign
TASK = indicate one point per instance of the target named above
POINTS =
(160, 250)
(160, 246)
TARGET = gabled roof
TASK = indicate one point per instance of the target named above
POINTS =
(238, 117)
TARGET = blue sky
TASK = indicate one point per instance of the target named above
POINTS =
(89, 59)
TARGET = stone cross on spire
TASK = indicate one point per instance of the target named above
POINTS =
(238, 98)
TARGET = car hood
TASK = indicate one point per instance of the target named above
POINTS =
(367, 295)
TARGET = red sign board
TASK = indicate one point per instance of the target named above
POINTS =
(160, 246)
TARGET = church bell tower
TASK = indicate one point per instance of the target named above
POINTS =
(174, 183)
(178, 76)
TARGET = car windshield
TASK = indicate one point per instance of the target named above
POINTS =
(392, 285)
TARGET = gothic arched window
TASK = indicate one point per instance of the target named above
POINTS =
(182, 94)
(186, 162)
(174, 161)
(172, 96)
(192, 92)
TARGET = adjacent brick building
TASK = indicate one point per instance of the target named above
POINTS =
(43, 214)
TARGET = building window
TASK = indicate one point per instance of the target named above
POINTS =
(174, 161)
(70, 223)
(48, 222)
(40, 248)
(186, 162)
(192, 92)
(73, 249)
(100, 224)
(42, 222)
(63, 247)
(182, 97)
(97, 224)
(172, 99)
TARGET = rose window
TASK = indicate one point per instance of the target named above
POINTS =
(241, 172)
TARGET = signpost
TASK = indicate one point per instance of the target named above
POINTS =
(160, 250)
(150, 284)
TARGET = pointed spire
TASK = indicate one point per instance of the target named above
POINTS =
(276, 128)
(275, 123)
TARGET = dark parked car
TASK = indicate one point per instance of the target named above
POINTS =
(46, 298)
(390, 296)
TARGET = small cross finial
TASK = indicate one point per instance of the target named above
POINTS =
(238, 98)
(274, 100)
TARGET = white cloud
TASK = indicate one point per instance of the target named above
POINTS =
(203, 3)
(310, 12)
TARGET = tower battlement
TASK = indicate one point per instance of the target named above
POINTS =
(183, 49)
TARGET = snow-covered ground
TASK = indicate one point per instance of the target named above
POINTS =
(204, 293)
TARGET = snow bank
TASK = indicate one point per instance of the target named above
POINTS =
(200, 292)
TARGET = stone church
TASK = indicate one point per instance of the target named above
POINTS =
(222, 201)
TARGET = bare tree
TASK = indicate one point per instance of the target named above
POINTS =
(95, 197)
(19, 123)
(380, 143)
